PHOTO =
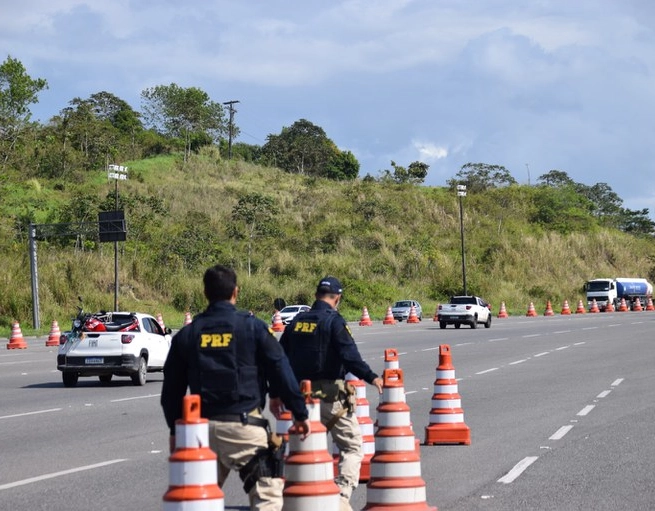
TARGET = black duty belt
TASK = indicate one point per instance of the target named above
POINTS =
(244, 418)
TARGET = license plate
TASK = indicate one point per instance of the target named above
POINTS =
(94, 360)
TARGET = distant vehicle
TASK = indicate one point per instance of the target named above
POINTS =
(464, 310)
(290, 311)
(114, 344)
(401, 309)
(611, 290)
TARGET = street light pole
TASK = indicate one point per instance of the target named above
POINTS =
(461, 192)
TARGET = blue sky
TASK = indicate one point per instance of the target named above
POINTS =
(534, 86)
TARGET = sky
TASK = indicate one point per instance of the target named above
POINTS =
(534, 86)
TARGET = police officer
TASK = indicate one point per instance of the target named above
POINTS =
(321, 348)
(231, 359)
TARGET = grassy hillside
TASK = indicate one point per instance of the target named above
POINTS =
(384, 241)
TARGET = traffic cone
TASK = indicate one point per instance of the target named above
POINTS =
(16, 340)
(309, 473)
(388, 318)
(649, 304)
(366, 319)
(549, 309)
(446, 416)
(391, 360)
(623, 307)
(55, 334)
(413, 318)
(609, 307)
(277, 325)
(396, 481)
(502, 313)
(187, 318)
(192, 474)
(363, 414)
(637, 305)
(160, 320)
(594, 307)
(531, 310)
(566, 310)
(580, 309)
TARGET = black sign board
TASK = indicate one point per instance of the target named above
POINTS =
(112, 226)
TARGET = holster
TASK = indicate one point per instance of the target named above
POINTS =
(265, 463)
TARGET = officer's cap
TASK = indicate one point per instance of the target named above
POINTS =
(329, 285)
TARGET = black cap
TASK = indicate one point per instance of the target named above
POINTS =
(329, 285)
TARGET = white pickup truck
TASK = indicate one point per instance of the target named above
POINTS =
(126, 344)
(468, 310)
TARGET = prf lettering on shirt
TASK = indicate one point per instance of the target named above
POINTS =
(305, 327)
(215, 340)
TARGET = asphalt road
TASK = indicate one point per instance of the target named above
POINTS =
(559, 409)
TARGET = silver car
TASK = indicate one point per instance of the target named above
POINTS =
(401, 309)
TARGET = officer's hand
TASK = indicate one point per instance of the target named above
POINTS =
(171, 443)
(379, 383)
(276, 406)
(303, 427)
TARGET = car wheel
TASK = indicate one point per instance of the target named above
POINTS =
(442, 324)
(487, 324)
(457, 325)
(69, 379)
(105, 378)
(474, 323)
(139, 378)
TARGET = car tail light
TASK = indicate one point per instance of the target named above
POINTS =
(468, 307)
(127, 338)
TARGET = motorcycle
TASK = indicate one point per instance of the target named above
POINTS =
(94, 322)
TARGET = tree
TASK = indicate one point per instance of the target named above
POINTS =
(342, 166)
(188, 114)
(17, 92)
(636, 222)
(479, 177)
(415, 173)
(556, 179)
(253, 217)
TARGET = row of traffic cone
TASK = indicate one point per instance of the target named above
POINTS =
(580, 309)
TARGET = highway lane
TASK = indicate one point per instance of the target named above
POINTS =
(559, 412)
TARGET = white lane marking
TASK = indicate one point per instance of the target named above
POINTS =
(617, 382)
(30, 413)
(590, 328)
(560, 432)
(636, 323)
(604, 393)
(518, 361)
(542, 353)
(531, 335)
(488, 370)
(518, 469)
(431, 349)
(562, 348)
(499, 339)
(463, 344)
(411, 392)
(57, 474)
(586, 410)
(579, 343)
(562, 332)
(132, 398)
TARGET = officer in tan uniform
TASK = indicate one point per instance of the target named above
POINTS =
(321, 348)
(231, 359)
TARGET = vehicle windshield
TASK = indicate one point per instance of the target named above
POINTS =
(598, 286)
(405, 303)
(293, 308)
(462, 300)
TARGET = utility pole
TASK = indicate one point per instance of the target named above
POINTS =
(230, 126)
(528, 167)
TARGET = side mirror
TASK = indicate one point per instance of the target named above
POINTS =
(168, 330)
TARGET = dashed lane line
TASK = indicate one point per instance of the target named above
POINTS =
(518, 469)
(30, 413)
(559, 434)
(586, 410)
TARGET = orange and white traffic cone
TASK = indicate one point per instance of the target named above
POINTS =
(55, 334)
(549, 309)
(391, 360)
(609, 306)
(309, 471)
(649, 304)
(192, 474)
(277, 325)
(396, 481)
(363, 414)
(446, 416)
(566, 310)
(366, 319)
(623, 307)
(388, 318)
(636, 305)
(160, 320)
(412, 318)
(16, 340)
(531, 310)
(187, 318)
(436, 314)
(580, 309)
(594, 307)
(502, 313)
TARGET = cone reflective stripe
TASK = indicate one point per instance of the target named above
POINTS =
(594, 307)
(366, 319)
(277, 325)
(502, 313)
(309, 473)
(192, 471)
(412, 318)
(55, 335)
(566, 310)
(396, 481)
(649, 304)
(388, 318)
(637, 305)
(446, 416)
(580, 308)
(531, 310)
(160, 320)
(623, 307)
(549, 309)
(16, 340)
(187, 318)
